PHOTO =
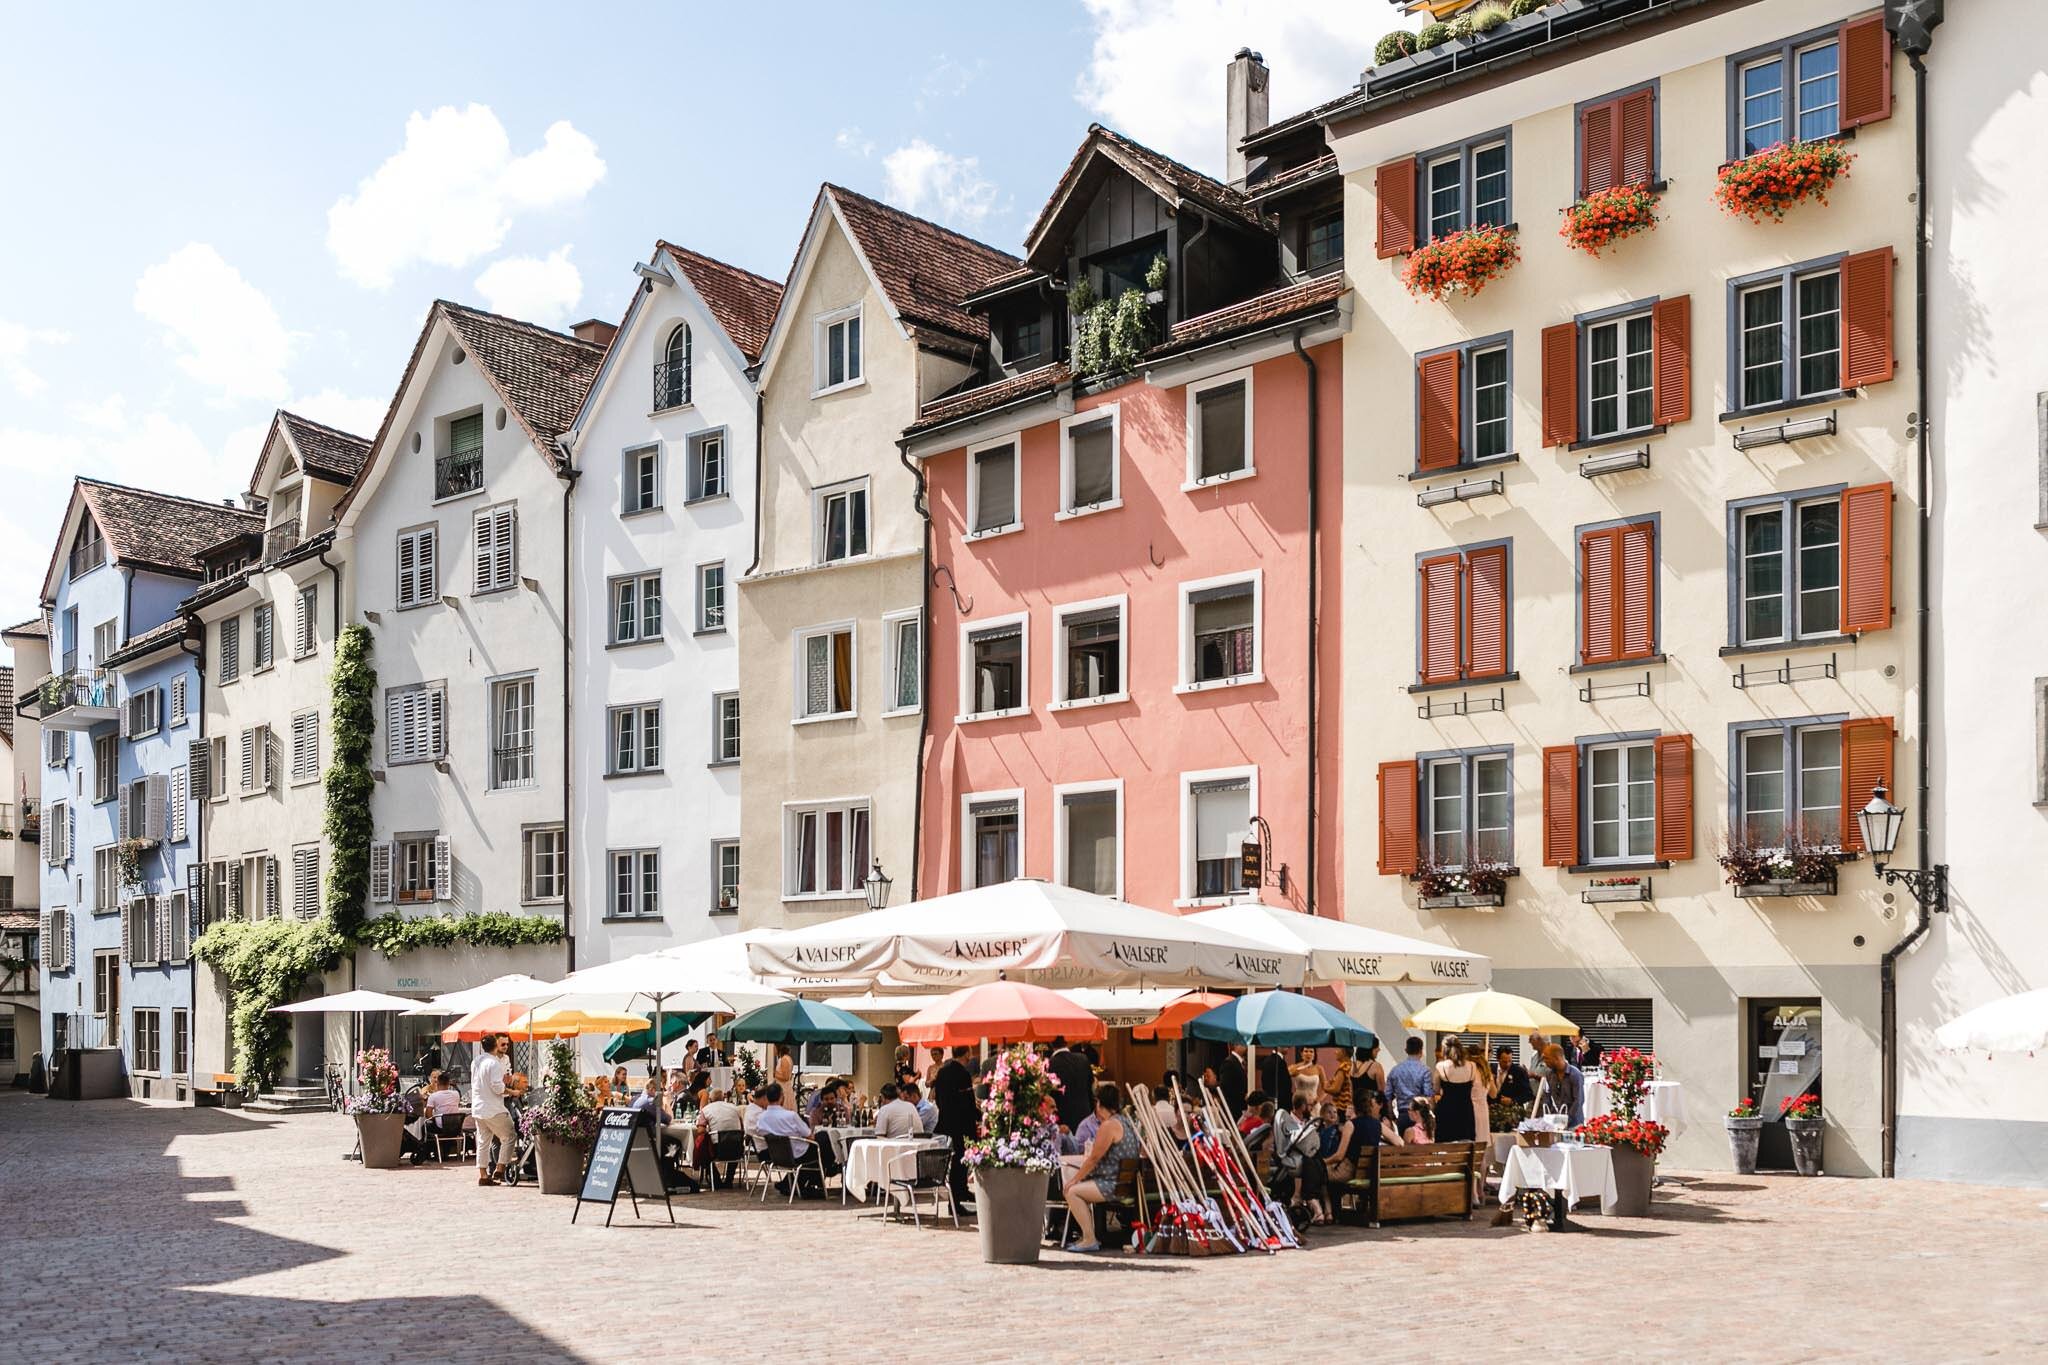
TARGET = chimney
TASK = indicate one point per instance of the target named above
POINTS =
(1246, 109)
(595, 330)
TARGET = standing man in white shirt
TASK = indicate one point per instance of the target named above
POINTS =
(488, 1108)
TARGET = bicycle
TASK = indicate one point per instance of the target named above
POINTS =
(337, 1094)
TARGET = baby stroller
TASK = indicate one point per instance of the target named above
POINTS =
(525, 1164)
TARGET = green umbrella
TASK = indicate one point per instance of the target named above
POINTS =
(638, 1044)
(793, 1022)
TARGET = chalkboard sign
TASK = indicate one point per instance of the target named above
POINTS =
(617, 1132)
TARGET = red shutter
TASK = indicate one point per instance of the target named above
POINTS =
(1398, 847)
(1671, 361)
(1442, 659)
(1561, 805)
(1867, 318)
(1674, 798)
(1437, 422)
(1867, 558)
(1866, 761)
(1866, 56)
(1598, 592)
(1561, 384)
(1397, 207)
(1636, 623)
(1636, 142)
(1596, 148)
(1486, 612)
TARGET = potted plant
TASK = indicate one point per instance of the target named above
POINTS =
(1474, 882)
(378, 1109)
(1464, 260)
(1768, 183)
(1015, 1156)
(1745, 1127)
(1636, 1142)
(1606, 216)
(1805, 1126)
(562, 1123)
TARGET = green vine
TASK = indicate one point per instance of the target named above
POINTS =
(394, 935)
(353, 693)
(263, 963)
(1111, 334)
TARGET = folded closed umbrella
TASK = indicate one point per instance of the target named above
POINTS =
(1002, 1012)
(1490, 1012)
(1279, 1019)
(635, 1045)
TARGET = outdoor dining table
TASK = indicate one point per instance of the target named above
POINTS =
(1663, 1102)
(841, 1138)
(872, 1162)
(1568, 1172)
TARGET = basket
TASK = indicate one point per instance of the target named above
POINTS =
(1538, 1138)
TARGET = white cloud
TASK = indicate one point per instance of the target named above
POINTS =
(938, 185)
(854, 141)
(1156, 72)
(332, 407)
(949, 79)
(532, 288)
(222, 329)
(16, 344)
(449, 195)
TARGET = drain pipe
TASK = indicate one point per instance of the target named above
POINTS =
(924, 666)
(198, 657)
(760, 430)
(569, 476)
(1315, 578)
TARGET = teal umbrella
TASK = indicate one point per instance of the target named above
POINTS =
(1280, 1019)
(794, 1022)
(638, 1044)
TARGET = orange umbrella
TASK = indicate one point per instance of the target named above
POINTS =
(1002, 1012)
(516, 1020)
(1169, 1022)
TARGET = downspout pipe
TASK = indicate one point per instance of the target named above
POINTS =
(924, 666)
(569, 475)
(334, 573)
(760, 430)
(1315, 578)
(198, 855)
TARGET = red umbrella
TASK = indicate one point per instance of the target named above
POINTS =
(516, 1020)
(1002, 1012)
(1169, 1021)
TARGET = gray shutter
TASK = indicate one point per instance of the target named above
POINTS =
(178, 700)
(408, 570)
(163, 908)
(127, 928)
(234, 909)
(437, 718)
(380, 873)
(128, 714)
(248, 760)
(156, 790)
(195, 887)
(428, 583)
(197, 752)
(270, 890)
(444, 870)
(121, 819)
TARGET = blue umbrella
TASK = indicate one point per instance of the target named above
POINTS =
(794, 1022)
(1280, 1019)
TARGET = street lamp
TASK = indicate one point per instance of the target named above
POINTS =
(878, 887)
(1879, 824)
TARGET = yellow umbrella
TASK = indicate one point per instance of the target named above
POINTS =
(1490, 1012)
(571, 1021)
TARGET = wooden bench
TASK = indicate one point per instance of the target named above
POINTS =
(220, 1090)
(1124, 1205)
(1423, 1181)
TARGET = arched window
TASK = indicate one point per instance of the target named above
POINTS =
(672, 374)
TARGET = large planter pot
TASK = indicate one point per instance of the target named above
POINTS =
(1010, 1212)
(1633, 1174)
(561, 1165)
(1806, 1135)
(1742, 1140)
(383, 1138)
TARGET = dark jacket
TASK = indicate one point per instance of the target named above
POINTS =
(1076, 1100)
(1515, 1084)
(1230, 1080)
(953, 1093)
(1273, 1077)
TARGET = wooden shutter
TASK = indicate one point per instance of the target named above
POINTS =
(234, 879)
(1636, 137)
(195, 888)
(505, 569)
(436, 718)
(1674, 797)
(1598, 592)
(127, 930)
(180, 804)
(428, 584)
(1636, 624)
(156, 794)
(380, 873)
(128, 715)
(1486, 612)
(248, 760)
(1561, 805)
(198, 754)
(46, 941)
(1671, 361)
(1866, 761)
(1396, 193)
(408, 571)
(1442, 655)
(1398, 830)
(1561, 384)
(1866, 57)
(1867, 558)
(1867, 318)
(1596, 148)
(486, 552)
(444, 870)
(121, 815)
(1438, 426)
(270, 886)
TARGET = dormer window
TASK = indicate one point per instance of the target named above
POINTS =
(461, 468)
(672, 371)
(88, 549)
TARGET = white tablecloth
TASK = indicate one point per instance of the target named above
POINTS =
(1663, 1102)
(842, 1137)
(1580, 1172)
(877, 1161)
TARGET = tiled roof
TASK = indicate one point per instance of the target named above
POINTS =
(1279, 183)
(158, 530)
(148, 642)
(35, 628)
(328, 454)
(19, 921)
(1295, 122)
(543, 374)
(924, 270)
(1273, 306)
(1169, 179)
(953, 407)
(743, 303)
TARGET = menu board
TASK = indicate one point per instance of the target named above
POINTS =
(617, 1130)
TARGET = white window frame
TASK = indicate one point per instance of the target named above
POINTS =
(1060, 613)
(1060, 793)
(639, 711)
(892, 623)
(1068, 510)
(630, 461)
(970, 629)
(856, 369)
(1619, 324)
(792, 813)
(494, 698)
(699, 445)
(645, 903)
(705, 624)
(1188, 899)
(638, 583)
(1187, 683)
(719, 757)
(798, 692)
(822, 495)
(1621, 750)
(428, 534)
(968, 801)
(529, 853)
(1251, 463)
(718, 848)
(1015, 442)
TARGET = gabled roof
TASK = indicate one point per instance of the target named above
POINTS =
(741, 302)
(325, 452)
(35, 628)
(1169, 179)
(158, 532)
(149, 642)
(922, 269)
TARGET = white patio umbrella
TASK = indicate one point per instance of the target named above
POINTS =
(357, 1003)
(2017, 1023)
(1339, 951)
(1025, 930)
(500, 991)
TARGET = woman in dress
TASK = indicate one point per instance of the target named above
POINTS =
(1307, 1076)
(1091, 1178)
(1455, 1082)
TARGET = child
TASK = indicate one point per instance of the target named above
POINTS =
(1421, 1124)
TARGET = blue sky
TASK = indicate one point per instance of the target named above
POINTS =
(220, 210)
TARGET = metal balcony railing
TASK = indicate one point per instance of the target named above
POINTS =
(511, 765)
(455, 474)
(60, 691)
(671, 384)
(280, 540)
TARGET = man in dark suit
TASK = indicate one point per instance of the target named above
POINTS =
(1076, 1100)
(1230, 1078)
(953, 1093)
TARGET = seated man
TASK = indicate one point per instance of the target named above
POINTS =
(719, 1115)
(778, 1121)
(654, 1112)
(897, 1118)
(442, 1097)
(828, 1108)
(927, 1112)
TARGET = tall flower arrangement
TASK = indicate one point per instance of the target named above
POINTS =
(564, 1112)
(376, 1084)
(1768, 183)
(1019, 1121)
(1606, 216)
(1628, 1078)
(1612, 1130)
(1467, 259)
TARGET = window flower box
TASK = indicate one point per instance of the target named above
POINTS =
(1772, 889)
(1606, 216)
(1491, 900)
(1777, 178)
(1616, 891)
(1466, 260)
(1479, 883)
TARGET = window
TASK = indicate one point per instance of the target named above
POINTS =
(1618, 800)
(1461, 405)
(106, 878)
(708, 474)
(143, 716)
(420, 868)
(265, 630)
(257, 759)
(1464, 186)
(1089, 845)
(56, 748)
(672, 371)
(1322, 239)
(1810, 566)
(105, 636)
(825, 849)
(1089, 651)
(178, 701)
(1618, 373)
(306, 629)
(640, 484)
(177, 928)
(636, 883)
(305, 747)
(1784, 361)
(1617, 592)
(1467, 809)
(419, 581)
(1617, 141)
(725, 876)
(306, 882)
(992, 488)
(216, 766)
(725, 727)
(545, 858)
(1220, 428)
(635, 738)
(259, 880)
(1618, 376)
(636, 608)
(710, 597)
(88, 548)
(842, 522)
(106, 990)
(993, 656)
(497, 548)
(1792, 785)
(512, 733)
(222, 890)
(228, 649)
(839, 354)
(148, 1040)
(142, 932)
(1465, 598)
(1621, 802)
(59, 833)
(993, 848)
(825, 673)
(106, 770)
(1219, 632)
(461, 467)
(415, 723)
(1216, 824)
(1024, 339)
(142, 808)
(1809, 87)
(903, 637)
(1088, 461)
(181, 1042)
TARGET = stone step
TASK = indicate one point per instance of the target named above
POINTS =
(298, 1092)
(281, 1104)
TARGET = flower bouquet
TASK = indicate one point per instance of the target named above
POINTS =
(1637, 1135)
(1012, 1160)
(1801, 1106)
(1778, 177)
(1467, 259)
(1628, 1078)
(1473, 877)
(1606, 216)
(376, 1084)
(1745, 1108)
